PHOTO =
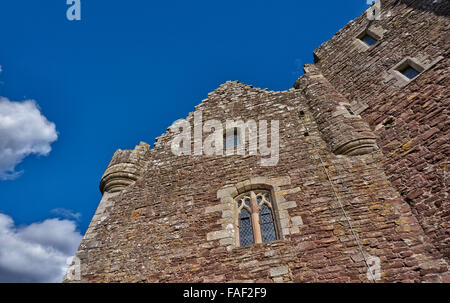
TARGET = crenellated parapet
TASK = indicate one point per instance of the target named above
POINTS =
(125, 168)
(345, 132)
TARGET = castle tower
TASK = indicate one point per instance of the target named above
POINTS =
(345, 132)
(394, 72)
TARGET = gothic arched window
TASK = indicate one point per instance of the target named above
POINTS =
(255, 218)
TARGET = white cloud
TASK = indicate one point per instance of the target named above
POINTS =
(37, 252)
(23, 131)
(66, 213)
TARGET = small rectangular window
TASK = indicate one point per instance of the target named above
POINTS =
(406, 71)
(232, 138)
(368, 39)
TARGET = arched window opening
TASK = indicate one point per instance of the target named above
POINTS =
(255, 218)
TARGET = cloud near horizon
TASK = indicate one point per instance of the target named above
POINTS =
(23, 131)
(38, 252)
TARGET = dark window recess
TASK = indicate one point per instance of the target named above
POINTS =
(369, 40)
(410, 72)
(389, 122)
(350, 111)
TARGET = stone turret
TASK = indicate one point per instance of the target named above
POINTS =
(125, 167)
(345, 132)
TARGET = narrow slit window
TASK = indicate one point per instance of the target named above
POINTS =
(350, 111)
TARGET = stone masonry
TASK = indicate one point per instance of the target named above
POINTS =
(410, 118)
(362, 172)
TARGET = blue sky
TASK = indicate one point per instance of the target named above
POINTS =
(126, 71)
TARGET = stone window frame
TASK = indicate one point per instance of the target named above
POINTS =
(374, 32)
(288, 225)
(371, 34)
(419, 64)
(254, 213)
(404, 64)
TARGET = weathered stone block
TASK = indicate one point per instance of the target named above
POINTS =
(279, 271)
(227, 192)
(220, 234)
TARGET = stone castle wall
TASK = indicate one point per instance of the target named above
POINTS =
(172, 224)
(411, 119)
(168, 218)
